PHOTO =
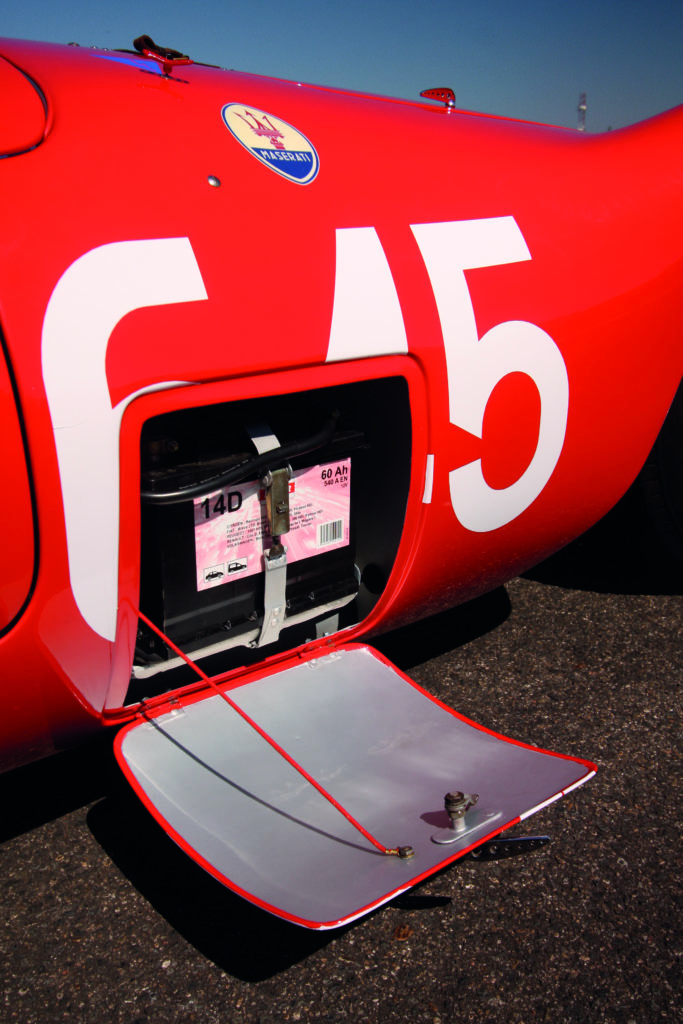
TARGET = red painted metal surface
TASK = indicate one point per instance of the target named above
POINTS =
(143, 171)
(16, 514)
(24, 115)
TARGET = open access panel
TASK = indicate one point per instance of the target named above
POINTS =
(384, 748)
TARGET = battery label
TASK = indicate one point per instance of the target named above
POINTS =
(231, 529)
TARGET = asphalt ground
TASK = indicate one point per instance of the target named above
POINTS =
(104, 919)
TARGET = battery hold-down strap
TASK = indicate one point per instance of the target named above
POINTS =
(404, 852)
(276, 486)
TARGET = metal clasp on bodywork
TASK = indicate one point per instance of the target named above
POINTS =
(447, 96)
(163, 55)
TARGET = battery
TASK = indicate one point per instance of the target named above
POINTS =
(202, 576)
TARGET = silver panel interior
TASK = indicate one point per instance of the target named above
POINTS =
(383, 749)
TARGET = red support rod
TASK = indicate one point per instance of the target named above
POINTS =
(395, 852)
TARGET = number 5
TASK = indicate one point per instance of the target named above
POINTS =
(476, 365)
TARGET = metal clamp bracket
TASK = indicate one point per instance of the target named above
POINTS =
(275, 564)
(276, 484)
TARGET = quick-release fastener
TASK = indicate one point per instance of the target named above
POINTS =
(457, 805)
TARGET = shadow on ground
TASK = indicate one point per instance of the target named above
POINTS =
(247, 942)
(46, 790)
(237, 936)
(243, 940)
(616, 556)
(622, 554)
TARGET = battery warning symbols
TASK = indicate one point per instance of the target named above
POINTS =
(214, 573)
(238, 566)
(231, 526)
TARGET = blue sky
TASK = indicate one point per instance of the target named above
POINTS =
(528, 59)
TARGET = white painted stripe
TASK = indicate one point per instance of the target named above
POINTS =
(366, 316)
(88, 301)
(429, 481)
(576, 785)
(365, 911)
(539, 807)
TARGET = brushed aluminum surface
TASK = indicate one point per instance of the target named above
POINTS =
(386, 750)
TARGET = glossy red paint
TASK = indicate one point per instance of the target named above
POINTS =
(24, 120)
(128, 157)
(16, 512)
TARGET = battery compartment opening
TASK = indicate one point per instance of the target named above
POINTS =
(216, 611)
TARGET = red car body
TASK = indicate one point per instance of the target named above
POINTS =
(491, 309)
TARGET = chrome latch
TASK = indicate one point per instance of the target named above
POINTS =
(276, 483)
(457, 805)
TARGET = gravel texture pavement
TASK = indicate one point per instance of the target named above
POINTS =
(104, 919)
